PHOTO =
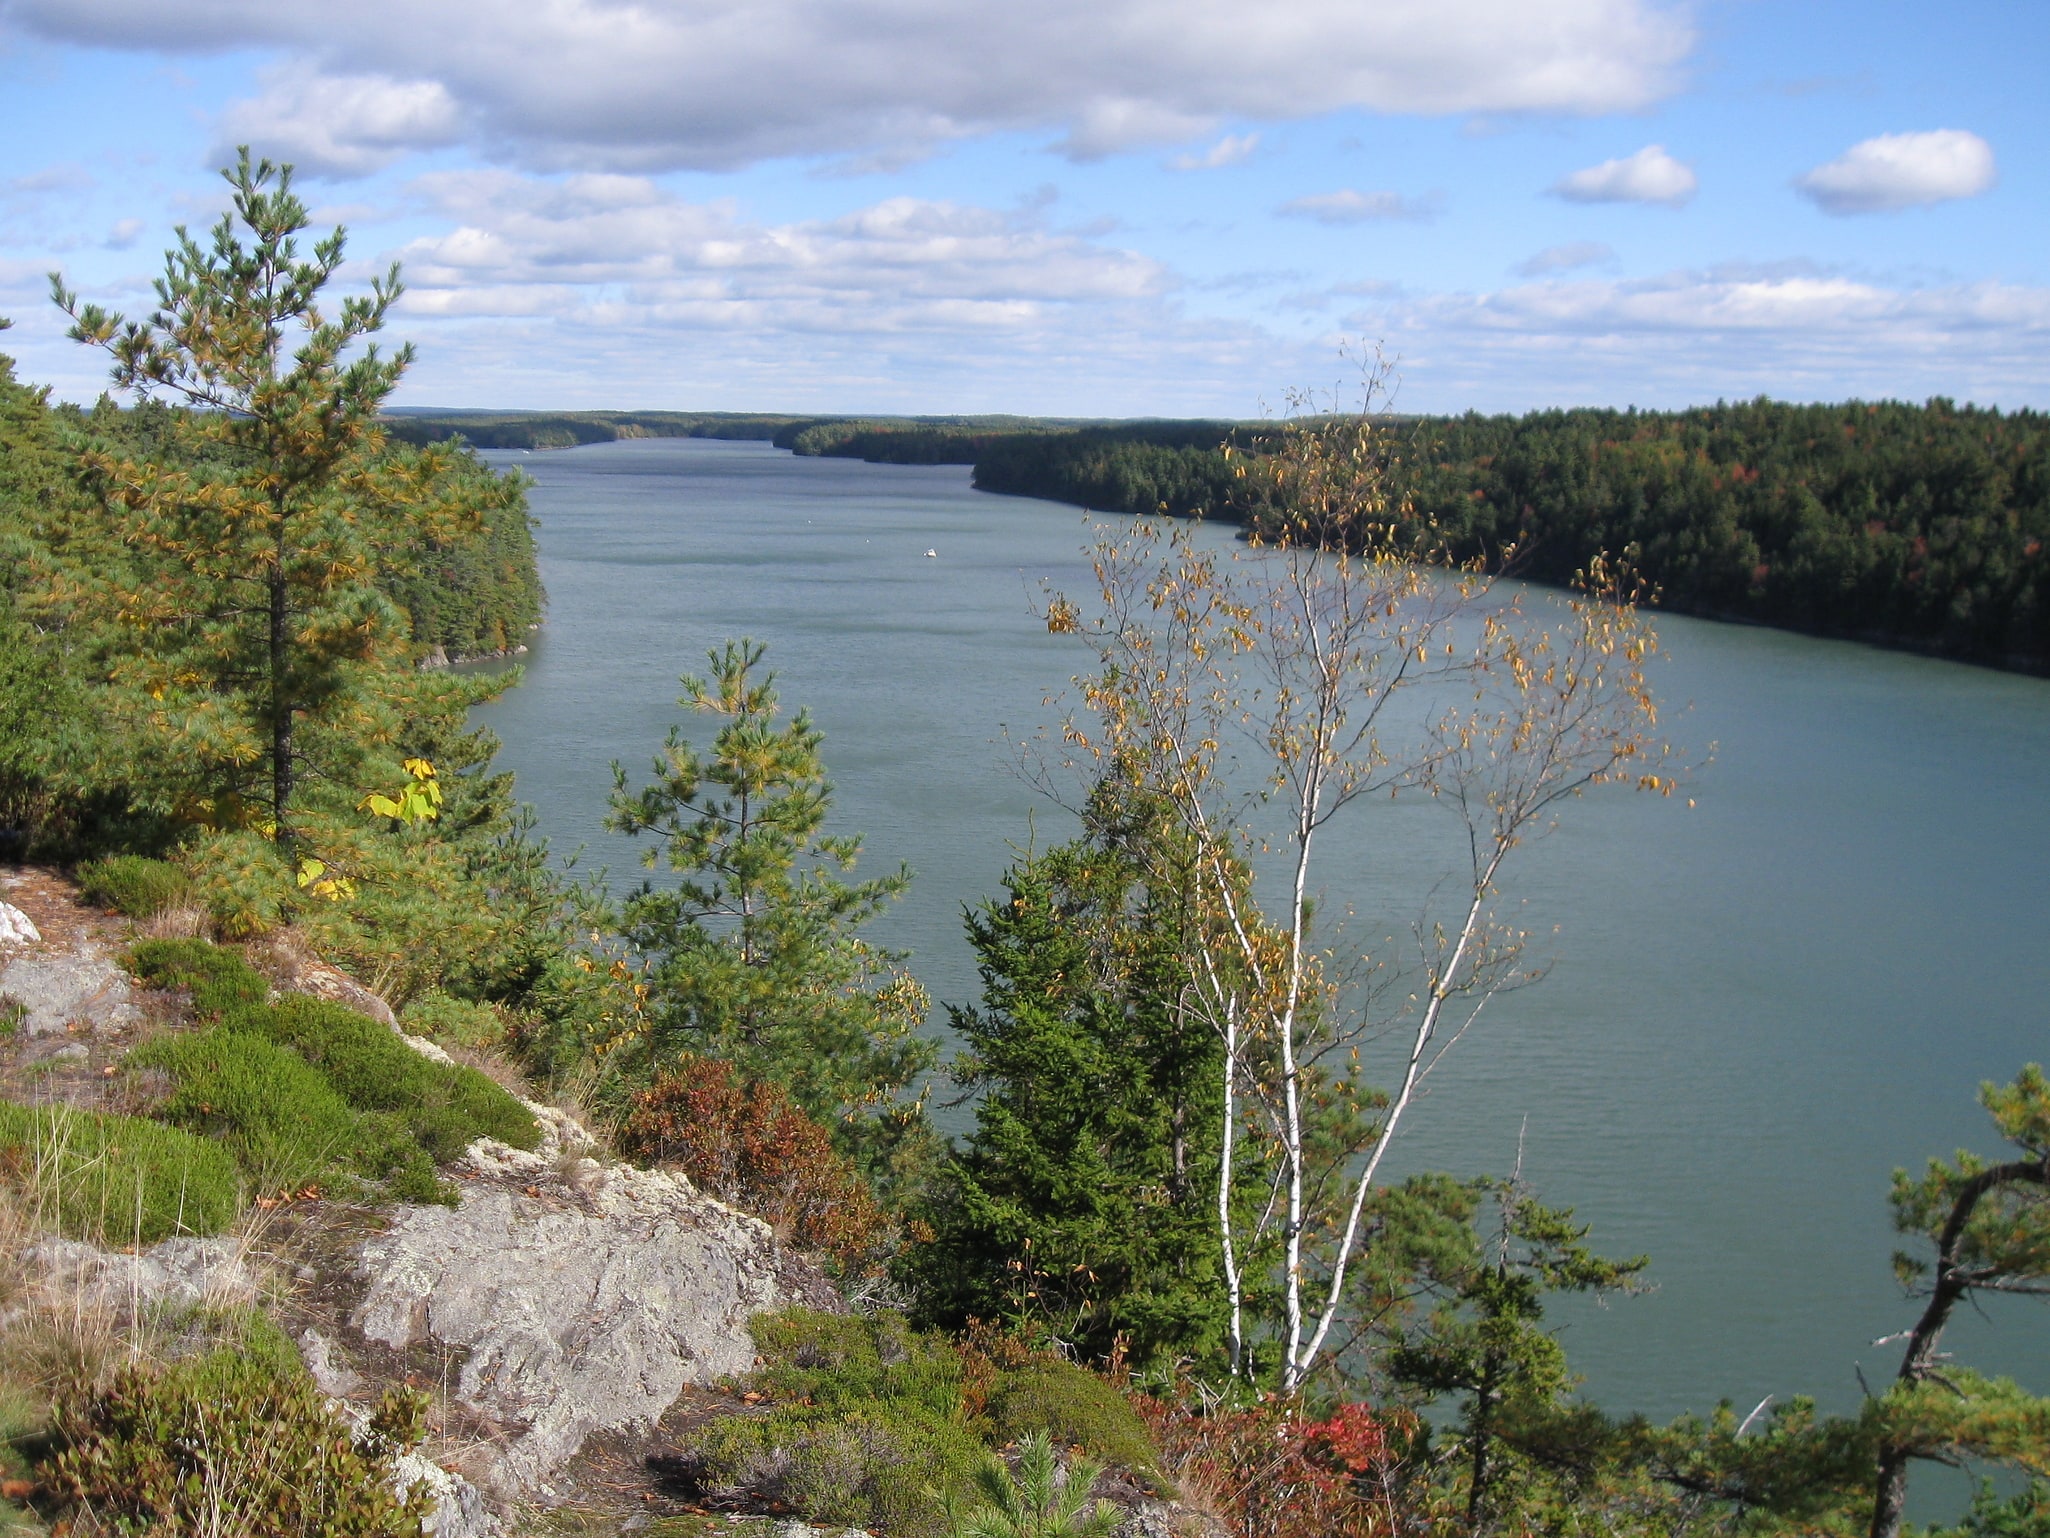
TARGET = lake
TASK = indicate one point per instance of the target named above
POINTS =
(1757, 1009)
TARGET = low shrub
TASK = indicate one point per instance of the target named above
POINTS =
(874, 1424)
(219, 980)
(879, 1466)
(224, 1443)
(843, 1361)
(1076, 1408)
(281, 1117)
(116, 1179)
(138, 887)
(749, 1144)
(453, 1021)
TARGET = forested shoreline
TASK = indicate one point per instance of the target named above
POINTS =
(1916, 527)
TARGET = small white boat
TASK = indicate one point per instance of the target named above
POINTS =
(932, 555)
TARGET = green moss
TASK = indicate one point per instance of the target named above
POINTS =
(1074, 1407)
(138, 887)
(219, 979)
(117, 1179)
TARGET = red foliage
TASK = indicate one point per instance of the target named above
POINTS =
(1268, 1471)
(747, 1143)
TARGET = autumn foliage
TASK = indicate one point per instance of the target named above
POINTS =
(747, 1142)
(1268, 1470)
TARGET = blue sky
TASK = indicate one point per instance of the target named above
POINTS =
(1115, 208)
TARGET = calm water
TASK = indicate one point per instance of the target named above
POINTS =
(1758, 1008)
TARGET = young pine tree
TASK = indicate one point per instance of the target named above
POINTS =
(756, 958)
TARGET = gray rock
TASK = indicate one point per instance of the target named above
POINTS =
(16, 927)
(582, 1297)
(81, 986)
(332, 1377)
(180, 1273)
(460, 1510)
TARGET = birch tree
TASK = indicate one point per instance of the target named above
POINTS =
(1342, 659)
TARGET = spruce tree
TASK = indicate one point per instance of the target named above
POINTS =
(1084, 1203)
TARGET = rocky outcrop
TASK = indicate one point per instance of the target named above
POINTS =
(79, 987)
(73, 1276)
(17, 928)
(578, 1297)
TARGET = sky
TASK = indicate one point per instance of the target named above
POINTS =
(1110, 208)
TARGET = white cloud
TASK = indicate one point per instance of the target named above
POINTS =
(1896, 171)
(65, 176)
(607, 244)
(1231, 150)
(1649, 176)
(337, 125)
(1793, 331)
(1578, 253)
(1350, 207)
(698, 83)
(124, 234)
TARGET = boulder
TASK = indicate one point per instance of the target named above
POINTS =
(79, 987)
(17, 928)
(577, 1296)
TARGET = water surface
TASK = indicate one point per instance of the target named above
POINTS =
(1757, 1008)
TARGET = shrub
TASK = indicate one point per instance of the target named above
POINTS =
(844, 1361)
(875, 1467)
(223, 1443)
(138, 887)
(283, 1118)
(460, 1022)
(1074, 1407)
(749, 1144)
(116, 1179)
(219, 979)
(447, 1107)
(1268, 1468)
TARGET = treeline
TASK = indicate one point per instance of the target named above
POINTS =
(568, 429)
(1914, 526)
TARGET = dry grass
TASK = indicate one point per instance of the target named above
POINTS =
(185, 922)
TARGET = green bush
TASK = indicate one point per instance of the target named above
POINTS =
(282, 1117)
(116, 1179)
(447, 1107)
(875, 1467)
(138, 887)
(1074, 1407)
(460, 1022)
(218, 979)
(226, 1443)
(843, 1361)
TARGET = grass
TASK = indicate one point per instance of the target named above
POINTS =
(138, 887)
(115, 1179)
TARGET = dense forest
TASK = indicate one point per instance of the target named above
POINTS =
(1921, 527)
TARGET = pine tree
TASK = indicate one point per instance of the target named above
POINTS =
(756, 955)
(232, 565)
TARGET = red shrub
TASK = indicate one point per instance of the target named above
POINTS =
(747, 1143)
(1268, 1471)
